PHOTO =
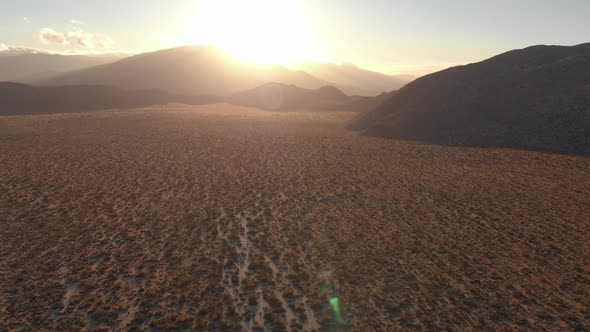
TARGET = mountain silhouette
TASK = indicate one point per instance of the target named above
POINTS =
(277, 96)
(187, 70)
(534, 98)
(19, 99)
(29, 67)
(353, 80)
(364, 104)
(282, 97)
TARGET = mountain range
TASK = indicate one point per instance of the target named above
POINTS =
(533, 98)
(187, 70)
(282, 97)
(21, 99)
(30, 66)
(353, 80)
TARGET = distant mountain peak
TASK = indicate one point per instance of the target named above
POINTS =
(30, 66)
(354, 80)
(282, 97)
(329, 91)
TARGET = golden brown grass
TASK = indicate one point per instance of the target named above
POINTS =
(222, 217)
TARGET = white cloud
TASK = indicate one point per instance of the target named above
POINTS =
(16, 50)
(50, 36)
(19, 50)
(77, 38)
(26, 19)
(77, 22)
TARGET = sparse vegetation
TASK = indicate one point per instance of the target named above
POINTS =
(144, 219)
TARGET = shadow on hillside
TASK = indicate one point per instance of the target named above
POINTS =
(578, 144)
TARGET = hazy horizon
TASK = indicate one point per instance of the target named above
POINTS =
(393, 37)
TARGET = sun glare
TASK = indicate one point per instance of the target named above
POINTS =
(259, 31)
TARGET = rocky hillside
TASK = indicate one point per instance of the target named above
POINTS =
(535, 98)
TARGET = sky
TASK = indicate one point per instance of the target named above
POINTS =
(390, 36)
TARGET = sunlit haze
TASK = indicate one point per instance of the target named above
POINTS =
(384, 35)
(261, 31)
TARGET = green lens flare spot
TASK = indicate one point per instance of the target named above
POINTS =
(334, 301)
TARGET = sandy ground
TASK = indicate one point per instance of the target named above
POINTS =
(229, 218)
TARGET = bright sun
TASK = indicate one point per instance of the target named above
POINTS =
(260, 31)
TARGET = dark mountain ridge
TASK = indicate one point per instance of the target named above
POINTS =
(282, 97)
(534, 98)
(21, 99)
(32, 67)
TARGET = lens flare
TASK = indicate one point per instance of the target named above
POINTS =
(335, 303)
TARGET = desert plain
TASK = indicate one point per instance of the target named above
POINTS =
(226, 218)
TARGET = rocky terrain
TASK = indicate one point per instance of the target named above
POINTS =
(229, 218)
(534, 98)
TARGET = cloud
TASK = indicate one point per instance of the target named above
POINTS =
(19, 50)
(16, 50)
(77, 22)
(50, 36)
(26, 19)
(76, 38)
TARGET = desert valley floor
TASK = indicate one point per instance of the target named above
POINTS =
(229, 218)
